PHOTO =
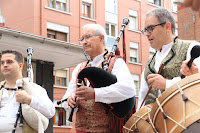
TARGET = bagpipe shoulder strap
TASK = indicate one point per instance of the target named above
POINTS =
(111, 63)
(1, 89)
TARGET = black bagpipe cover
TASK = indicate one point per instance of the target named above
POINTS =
(101, 78)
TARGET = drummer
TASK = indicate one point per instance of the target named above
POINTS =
(170, 51)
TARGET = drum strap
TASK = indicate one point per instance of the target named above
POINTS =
(1, 89)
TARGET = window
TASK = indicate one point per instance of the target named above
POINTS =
(56, 31)
(60, 77)
(111, 6)
(60, 81)
(174, 6)
(136, 83)
(133, 17)
(63, 114)
(62, 5)
(51, 34)
(176, 30)
(111, 32)
(156, 2)
(151, 52)
(87, 8)
(56, 35)
(134, 54)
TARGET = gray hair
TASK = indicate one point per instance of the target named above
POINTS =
(98, 29)
(163, 15)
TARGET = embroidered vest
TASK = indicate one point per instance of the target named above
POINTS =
(92, 116)
(171, 69)
(26, 127)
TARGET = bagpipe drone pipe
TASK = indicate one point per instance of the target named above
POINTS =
(100, 78)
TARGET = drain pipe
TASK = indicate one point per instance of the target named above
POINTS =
(194, 21)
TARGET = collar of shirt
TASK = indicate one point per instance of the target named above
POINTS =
(160, 55)
(98, 60)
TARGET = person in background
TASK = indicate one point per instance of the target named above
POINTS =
(35, 103)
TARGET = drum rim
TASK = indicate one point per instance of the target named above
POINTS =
(172, 91)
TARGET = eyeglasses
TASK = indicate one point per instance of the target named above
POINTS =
(151, 28)
(86, 37)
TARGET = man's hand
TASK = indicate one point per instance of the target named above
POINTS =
(194, 4)
(85, 93)
(71, 101)
(23, 97)
(156, 81)
(185, 70)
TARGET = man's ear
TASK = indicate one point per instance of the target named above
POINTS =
(102, 37)
(21, 66)
(168, 27)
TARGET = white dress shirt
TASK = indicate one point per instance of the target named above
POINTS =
(160, 55)
(117, 92)
(9, 108)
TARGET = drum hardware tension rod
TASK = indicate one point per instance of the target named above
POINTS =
(151, 123)
(167, 116)
(181, 91)
(185, 98)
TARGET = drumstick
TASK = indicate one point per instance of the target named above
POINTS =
(161, 67)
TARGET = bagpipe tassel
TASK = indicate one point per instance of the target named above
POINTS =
(116, 124)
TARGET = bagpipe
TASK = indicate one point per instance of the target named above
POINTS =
(101, 78)
(19, 87)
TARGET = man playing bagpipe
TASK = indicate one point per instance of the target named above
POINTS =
(89, 98)
(24, 106)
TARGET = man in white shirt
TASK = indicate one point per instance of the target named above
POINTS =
(91, 115)
(170, 53)
(36, 105)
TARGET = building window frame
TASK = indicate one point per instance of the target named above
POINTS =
(134, 52)
(111, 30)
(60, 76)
(66, 115)
(87, 9)
(136, 80)
(111, 6)
(174, 7)
(133, 17)
(57, 30)
(59, 5)
(156, 2)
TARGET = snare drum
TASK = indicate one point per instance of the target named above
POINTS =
(178, 107)
(139, 121)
